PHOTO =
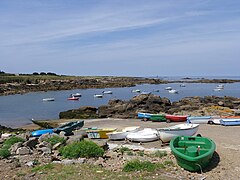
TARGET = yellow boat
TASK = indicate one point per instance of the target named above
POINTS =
(94, 133)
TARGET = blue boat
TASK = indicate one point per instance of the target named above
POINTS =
(230, 122)
(144, 115)
(38, 133)
(67, 128)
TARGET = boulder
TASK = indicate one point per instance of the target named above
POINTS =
(84, 112)
(23, 151)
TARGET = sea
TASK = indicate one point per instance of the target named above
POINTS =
(18, 110)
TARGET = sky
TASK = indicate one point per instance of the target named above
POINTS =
(121, 37)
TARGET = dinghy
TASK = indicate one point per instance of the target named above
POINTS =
(192, 153)
(144, 116)
(145, 135)
(95, 133)
(230, 122)
(175, 118)
(158, 117)
(166, 134)
(199, 119)
(119, 135)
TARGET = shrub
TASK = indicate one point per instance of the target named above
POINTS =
(4, 150)
(136, 165)
(81, 149)
(124, 149)
(55, 139)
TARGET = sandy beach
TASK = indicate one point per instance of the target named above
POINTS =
(226, 159)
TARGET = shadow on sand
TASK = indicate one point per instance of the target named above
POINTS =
(213, 163)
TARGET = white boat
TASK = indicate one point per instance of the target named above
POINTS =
(168, 88)
(136, 91)
(119, 135)
(145, 92)
(214, 121)
(173, 91)
(199, 119)
(166, 134)
(48, 99)
(98, 95)
(182, 85)
(145, 135)
(107, 92)
(76, 95)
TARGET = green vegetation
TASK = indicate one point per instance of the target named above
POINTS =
(55, 139)
(82, 149)
(4, 150)
(160, 154)
(43, 167)
(136, 165)
(124, 149)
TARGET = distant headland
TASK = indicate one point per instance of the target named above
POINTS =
(24, 83)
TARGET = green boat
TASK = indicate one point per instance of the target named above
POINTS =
(192, 153)
(158, 117)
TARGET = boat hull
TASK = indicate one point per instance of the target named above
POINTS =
(176, 118)
(230, 122)
(38, 133)
(145, 135)
(192, 153)
(120, 135)
(144, 115)
(166, 134)
(99, 133)
(199, 119)
(158, 117)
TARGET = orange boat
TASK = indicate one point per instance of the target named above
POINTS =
(231, 117)
(175, 118)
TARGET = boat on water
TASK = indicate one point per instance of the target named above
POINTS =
(67, 128)
(158, 117)
(99, 133)
(98, 95)
(73, 98)
(168, 88)
(168, 133)
(76, 95)
(175, 118)
(182, 85)
(120, 135)
(136, 91)
(173, 91)
(192, 153)
(199, 119)
(230, 122)
(107, 92)
(144, 116)
(48, 99)
(145, 92)
(145, 135)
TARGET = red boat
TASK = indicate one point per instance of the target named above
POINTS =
(73, 98)
(175, 118)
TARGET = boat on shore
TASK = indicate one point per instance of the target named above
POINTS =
(48, 99)
(230, 122)
(120, 135)
(158, 118)
(145, 135)
(99, 133)
(168, 133)
(199, 119)
(192, 153)
(175, 118)
(144, 116)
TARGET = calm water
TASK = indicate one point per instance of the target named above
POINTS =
(17, 110)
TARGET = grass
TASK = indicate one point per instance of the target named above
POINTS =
(43, 168)
(4, 150)
(82, 149)
(160, 154)
(136, 165)
(55, 139)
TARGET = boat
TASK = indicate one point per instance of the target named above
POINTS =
(145, 135)
(168, 88)
(192, 153)
(144, 116)
(175, 118)
(107, 92)
(145, 92)
(98, 95)
(136, 91)
(230, 122)
(158, 117)
(67, 128)
(119, 135)
(214, 121)
(182, 85)
(199, 119)
(76, 95)
(73, 98)
(173, 91)
(99, 133)
(48, 99)
(168, 133)
(47, 124)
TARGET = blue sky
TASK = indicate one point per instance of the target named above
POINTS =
(121, 37)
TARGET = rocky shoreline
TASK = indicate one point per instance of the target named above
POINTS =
(20, 84)
(193, 106)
